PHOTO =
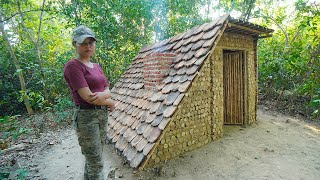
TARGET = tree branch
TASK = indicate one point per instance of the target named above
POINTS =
(246, 12)
(36, 45)
(249, 10)
(18, 13)
(295, 36)
(23, 24)
(40, 23)
(283, 31)
(75, 4)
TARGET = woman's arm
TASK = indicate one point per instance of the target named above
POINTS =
(97, 98)
(86, 94)
(101, 96)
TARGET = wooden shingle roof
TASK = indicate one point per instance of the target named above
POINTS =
(141, 115)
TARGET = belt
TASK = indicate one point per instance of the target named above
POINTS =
(86, 106)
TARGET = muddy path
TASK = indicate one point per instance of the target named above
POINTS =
(276, 147)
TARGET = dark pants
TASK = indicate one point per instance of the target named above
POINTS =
(91, 125)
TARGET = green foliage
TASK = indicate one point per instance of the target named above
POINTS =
(21, 173)
(61, 107)
(10, 129)
(53, 42)
(35, 99)
(62, 103)
(4, 172)
(9, 86)
(289, 61)
(316, 105)
(18, 174)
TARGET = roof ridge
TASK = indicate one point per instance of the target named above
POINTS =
(177, 36)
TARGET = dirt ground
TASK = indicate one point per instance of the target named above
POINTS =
(276, 147)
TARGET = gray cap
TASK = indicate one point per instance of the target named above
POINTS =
(81, 32)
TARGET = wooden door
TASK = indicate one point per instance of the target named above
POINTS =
(233, 87)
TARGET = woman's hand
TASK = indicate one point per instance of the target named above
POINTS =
(98, 98)
(111, 104)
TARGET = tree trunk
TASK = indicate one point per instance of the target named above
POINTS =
(36, 47)
(246, 10)
(77, 15)
(17, 65)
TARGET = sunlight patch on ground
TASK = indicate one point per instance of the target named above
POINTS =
(277, 123)
(313, 128)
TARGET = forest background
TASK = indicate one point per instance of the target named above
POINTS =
(36, 43)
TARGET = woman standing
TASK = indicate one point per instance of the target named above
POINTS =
(91, 95)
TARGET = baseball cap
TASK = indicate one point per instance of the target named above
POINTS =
(81, 32)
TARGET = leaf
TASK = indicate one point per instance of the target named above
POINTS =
(19, 70)
(316, 101)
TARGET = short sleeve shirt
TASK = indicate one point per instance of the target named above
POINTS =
(78, 75)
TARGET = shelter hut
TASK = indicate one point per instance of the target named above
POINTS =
(177, 94)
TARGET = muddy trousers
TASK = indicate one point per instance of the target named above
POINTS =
(90, 126)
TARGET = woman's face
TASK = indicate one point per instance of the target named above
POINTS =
(86, 48)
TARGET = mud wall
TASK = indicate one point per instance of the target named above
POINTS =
(190, 126)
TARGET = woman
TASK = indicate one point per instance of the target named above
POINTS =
(91, 95)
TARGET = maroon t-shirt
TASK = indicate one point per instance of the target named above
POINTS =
(78, 75)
